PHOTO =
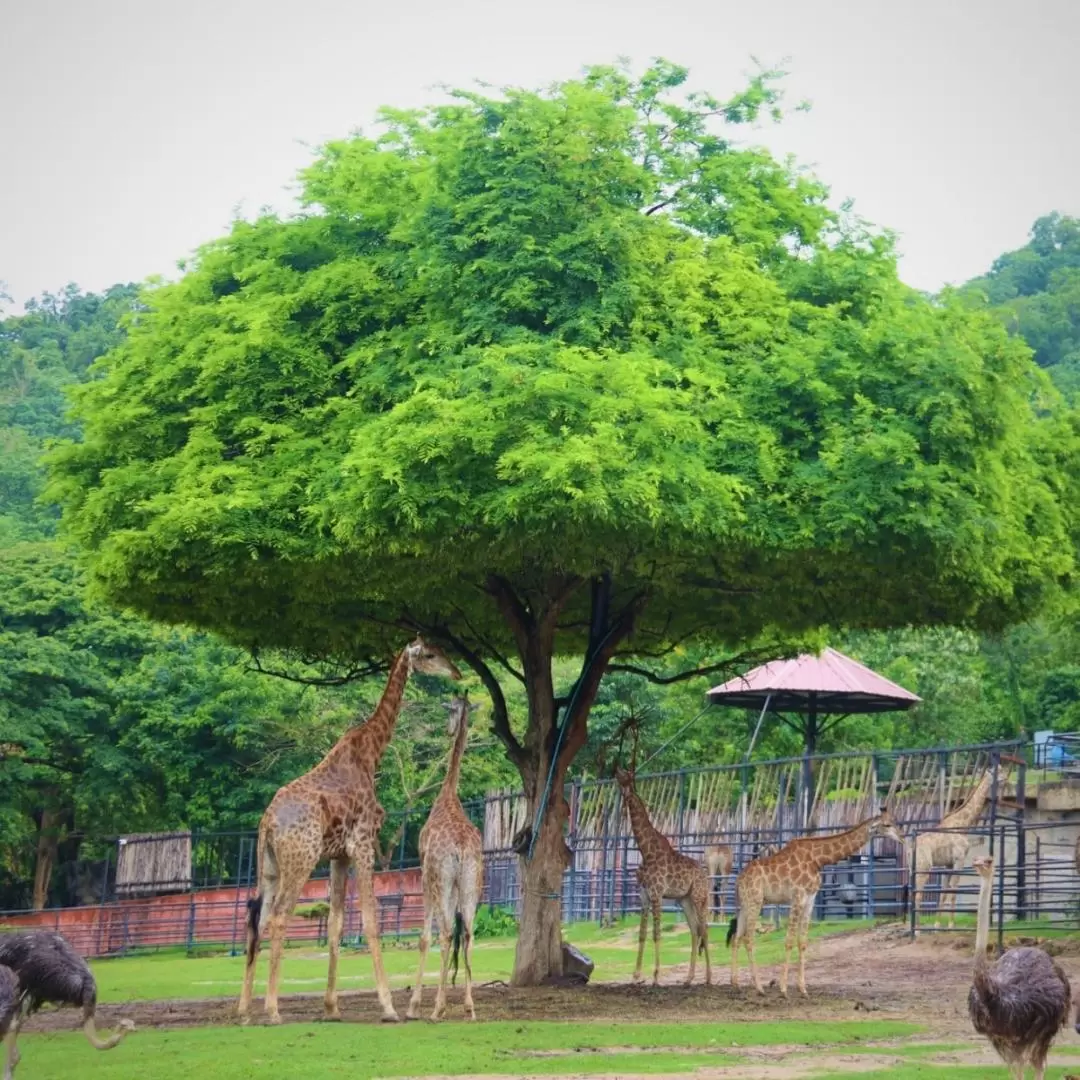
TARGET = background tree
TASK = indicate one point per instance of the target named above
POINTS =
(563, 373)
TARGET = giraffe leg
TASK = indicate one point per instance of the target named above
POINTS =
(953, 884)
(740, 929)
(703, 921)
(339, 881)
(642, 932)
(473, 882)
(794, 913)
(425, 944)
(750, 935)
(804, 940)
(446, 928)
(695, 935)
(256, 926)
(720, 890)
(366, 888)
(657, 904)
(276, 927)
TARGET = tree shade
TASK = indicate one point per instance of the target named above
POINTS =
(564, 372)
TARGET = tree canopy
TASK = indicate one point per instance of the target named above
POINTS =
(564, 372)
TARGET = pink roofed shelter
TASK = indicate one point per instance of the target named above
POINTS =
(812, 686)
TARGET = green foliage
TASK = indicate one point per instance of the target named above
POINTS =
(1036, 293)
(516, 343)
(493, 922)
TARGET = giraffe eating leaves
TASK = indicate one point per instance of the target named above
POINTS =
(331, 813)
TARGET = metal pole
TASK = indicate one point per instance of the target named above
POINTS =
(911, 891)
(1021, 843)
(1001, 897)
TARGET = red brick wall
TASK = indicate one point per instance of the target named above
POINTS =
(214, 916)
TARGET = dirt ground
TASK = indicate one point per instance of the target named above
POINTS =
(878, 974)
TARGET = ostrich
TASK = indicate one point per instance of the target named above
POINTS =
(48, 969)
(9, 998)
(1019, 1002)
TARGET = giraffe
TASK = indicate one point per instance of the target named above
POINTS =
(330, 813)
(666, 874)
(793, 876)
(452, 865)
(949, 849)
(719, 860)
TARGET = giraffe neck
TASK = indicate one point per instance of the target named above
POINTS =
(645, 832)
(970, 811)
(457, 752)
(834, 849)
(376, 732)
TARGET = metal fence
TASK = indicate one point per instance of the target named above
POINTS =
(745, 806)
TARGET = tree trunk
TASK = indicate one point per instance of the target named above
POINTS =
(539, 942)
(46, 857)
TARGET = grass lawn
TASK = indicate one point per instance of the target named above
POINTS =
(312, 1051)
(174, 975)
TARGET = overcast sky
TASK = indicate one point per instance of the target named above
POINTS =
(131, 132)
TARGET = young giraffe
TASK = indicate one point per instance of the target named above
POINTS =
(666, 874)
(330, 813)
(793, 876)
(719, 859)
(950, 849)
(452, 863)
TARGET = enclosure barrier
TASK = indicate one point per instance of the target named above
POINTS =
(201, 903)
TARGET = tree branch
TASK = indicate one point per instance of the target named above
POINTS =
(489, 648)
(709, 669)
(373, 667)
(659, 206)
(513, 611)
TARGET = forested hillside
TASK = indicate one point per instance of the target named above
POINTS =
(110, 724)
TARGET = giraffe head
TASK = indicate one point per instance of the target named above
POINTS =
(624, 778)
(430, 660)
(983, 866)
(459, 714)
(883, 825)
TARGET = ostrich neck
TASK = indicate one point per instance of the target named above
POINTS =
(982, 928)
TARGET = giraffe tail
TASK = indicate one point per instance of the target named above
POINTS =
(254, 912)
(732, 929)
(459, 931)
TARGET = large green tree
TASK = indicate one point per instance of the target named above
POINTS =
(563, 373)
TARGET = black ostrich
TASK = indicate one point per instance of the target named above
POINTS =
(9, 998)
(48, 969)
(1021, 1001)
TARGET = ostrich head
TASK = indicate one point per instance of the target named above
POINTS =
(983, 866)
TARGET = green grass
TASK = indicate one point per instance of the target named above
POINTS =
(166, 975)
(311, 1051)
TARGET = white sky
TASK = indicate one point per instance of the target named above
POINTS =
(130, 132)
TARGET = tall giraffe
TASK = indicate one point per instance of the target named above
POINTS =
(452, 865)
(331, 813)
(793, 876)
(950, 849)
(666, 874)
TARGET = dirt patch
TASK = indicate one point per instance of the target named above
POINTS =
(879, 973)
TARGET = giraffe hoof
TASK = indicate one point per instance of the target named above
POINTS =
(274, 1018)
(391, 1017)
